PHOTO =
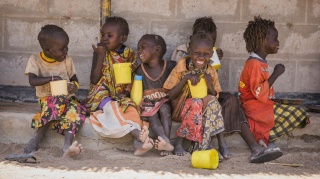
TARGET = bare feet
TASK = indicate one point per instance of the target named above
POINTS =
(179, 151)
(144, 134)
(261, 143)
(31, 146)
(161, 144)
(142, 148)
(223, 150)
(165, 153)
(74, 149)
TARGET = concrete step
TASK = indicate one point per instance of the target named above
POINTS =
(15, 122)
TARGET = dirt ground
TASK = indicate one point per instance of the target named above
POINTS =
(115, 163)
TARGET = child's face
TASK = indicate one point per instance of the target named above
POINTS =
(58, 48)
(111, 37)
(271, 41)
(146, 50)
(200, 53)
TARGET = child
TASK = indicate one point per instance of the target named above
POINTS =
(201, 118)
(205, 25)
(267, 120)
(154, 71)
(114, 114)
(61, 113)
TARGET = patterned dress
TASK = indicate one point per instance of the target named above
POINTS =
(200, 118)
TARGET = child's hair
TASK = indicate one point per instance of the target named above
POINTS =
(204, 24)
(200, 36)
(256, 32)
(124, 27)
(49, 32)
(158, 40)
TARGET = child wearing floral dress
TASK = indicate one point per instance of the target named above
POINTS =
(65, 114)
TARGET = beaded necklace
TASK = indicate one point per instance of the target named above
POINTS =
(47, 59)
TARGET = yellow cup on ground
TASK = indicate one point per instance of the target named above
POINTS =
(208, 159)
(200, 90)
(122, 73)
(59, 87)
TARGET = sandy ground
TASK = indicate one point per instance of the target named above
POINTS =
(115, 163)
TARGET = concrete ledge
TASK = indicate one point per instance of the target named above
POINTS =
(15, 122)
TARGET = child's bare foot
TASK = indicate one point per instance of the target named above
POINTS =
(161, 144)
(144, 134)
(165, 153)
(261, 143)
(74, 149)
(223, 150)
(179, 151)
(31, 146)
(143, 147)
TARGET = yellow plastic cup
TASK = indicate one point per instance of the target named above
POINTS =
(208, 159)
(122, 73)
(200, 90)
(59, 87)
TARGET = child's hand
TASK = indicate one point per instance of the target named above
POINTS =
(208, 79)
(100, 49)
(121, 95)
(194, 79)
(279, 69)
(72, 87)
(134, 65)
(209, 83)
(220, 53)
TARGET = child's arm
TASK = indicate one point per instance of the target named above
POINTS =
(208, 79)
(176, 91)
(34, 80)
(278, 70)
(97, 62)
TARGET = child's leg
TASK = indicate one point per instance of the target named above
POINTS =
(165, 118)
(223, 149)
(141, 147)
(178, 149)
(34, 141)
(247, 136)
(70, 150)
(69, 124)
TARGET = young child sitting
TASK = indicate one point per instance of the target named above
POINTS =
(114, 114)
(268, 120)
(201, 117)
(154, 71)
(65, 114)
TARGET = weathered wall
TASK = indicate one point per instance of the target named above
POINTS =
(298, 23)
(21, 21)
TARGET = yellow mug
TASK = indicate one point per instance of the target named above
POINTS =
(122, 73)
(208, 159)
(59, 87)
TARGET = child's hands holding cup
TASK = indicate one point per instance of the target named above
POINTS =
(194, 78)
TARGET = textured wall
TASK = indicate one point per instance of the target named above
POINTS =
(298, 23)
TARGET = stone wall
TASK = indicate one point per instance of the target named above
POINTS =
(298, 23)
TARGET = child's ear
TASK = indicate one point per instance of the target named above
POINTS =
(123, 38)
(46, 49)
(158, 48)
